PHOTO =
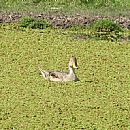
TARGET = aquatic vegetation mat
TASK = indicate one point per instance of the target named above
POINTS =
(99, 101)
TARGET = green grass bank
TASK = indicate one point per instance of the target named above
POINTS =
(94, 7)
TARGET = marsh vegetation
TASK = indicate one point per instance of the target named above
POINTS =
(99, 101)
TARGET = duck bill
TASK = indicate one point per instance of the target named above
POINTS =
(75, 66)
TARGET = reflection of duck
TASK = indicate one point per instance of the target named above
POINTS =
(62, 76)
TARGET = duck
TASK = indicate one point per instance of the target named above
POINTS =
(62, 76)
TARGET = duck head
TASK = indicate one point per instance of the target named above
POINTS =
(73, 62)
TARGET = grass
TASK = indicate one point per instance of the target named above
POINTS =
(99, 101)
(89, 7)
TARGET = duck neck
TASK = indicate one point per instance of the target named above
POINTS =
(71, 70)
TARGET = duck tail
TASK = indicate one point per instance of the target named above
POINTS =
(42, 72)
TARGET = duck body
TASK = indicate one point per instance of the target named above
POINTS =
(62, 76)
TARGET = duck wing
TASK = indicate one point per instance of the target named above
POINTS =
(52, 74)
(57, 74)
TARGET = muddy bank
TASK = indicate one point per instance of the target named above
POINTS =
(63, 21)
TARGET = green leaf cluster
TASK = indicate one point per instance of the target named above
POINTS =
(106, 29)
(33, 23)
